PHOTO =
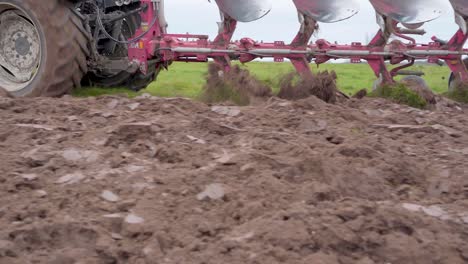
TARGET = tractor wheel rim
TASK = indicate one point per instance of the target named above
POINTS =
(20, 49)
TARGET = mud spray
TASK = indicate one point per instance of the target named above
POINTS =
(237, 85)
(321, 85)
(240, 87)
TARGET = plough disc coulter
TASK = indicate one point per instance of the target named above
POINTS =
(460, 6)
(327, 11)
(126, 42)
(409, 12)
(245, 10)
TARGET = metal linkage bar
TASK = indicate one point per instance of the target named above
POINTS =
(319, 52)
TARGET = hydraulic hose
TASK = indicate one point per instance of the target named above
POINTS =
(103, 29)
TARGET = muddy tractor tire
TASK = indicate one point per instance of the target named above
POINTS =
(43, 47)
(134, 81)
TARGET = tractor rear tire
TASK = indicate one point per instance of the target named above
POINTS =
(47, 37)
(133, 81)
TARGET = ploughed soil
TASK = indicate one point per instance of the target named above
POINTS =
(152, 180)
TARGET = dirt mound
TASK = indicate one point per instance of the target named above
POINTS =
(321, 85)
(236, 85)
(151, 180)
(419, 86)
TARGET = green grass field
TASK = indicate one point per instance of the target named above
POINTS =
(187, 79)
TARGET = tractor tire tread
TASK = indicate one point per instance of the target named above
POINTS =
(66, 47)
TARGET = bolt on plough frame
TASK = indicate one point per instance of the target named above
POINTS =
(397, 19)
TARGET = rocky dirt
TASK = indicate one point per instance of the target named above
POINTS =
(151, 180)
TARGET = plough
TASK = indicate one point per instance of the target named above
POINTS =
(411, 15)
(127, 41)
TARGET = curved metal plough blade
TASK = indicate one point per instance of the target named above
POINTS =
(410, 11)
(328, 11)
(245, 10)
(460, 6)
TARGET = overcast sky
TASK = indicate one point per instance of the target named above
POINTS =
(200, 17)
